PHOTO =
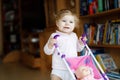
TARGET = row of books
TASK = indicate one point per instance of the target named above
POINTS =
(107, 33)
(93, 6)
(112, 31)
(113, 75)
(109, 66)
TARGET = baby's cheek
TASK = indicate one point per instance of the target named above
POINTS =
(86, 72)
(79, 74)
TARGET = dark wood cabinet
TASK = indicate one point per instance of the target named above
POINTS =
(33, 22)
(10, 25)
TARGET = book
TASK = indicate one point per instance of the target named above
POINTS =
(115, 31)
(115, 3)
(119, 35)
(98, 32)
(113, 74)
(113, 78)
(105, 32)
(118, 3)
(100, 5)
(83, 7)
(87, 31)
(101, 30)
(111, 4)
(106, 61)
(106, 5)
(92, 33)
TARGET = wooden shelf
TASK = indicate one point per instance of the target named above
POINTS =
(104, 13)
(104, 45)
(101, 18)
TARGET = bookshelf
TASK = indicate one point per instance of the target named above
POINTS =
(107, 46)
(100, 17)
(10, 22)
(104, 13)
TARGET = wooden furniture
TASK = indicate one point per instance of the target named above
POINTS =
(44, 36)
(13, 56)
(10, 19)
(32, 22)
(1, 34)
(30, 49)
(101, 17)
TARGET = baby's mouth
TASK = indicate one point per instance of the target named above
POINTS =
(66, 28)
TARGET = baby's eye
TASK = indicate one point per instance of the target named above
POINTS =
(71, 21)
(64, 20)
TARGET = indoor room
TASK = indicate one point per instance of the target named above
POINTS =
(26, 25)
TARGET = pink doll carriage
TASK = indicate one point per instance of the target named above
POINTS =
(87, 61)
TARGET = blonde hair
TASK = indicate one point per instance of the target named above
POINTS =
(64, 12)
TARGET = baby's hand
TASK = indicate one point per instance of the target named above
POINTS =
(82, 40)
(51, 43)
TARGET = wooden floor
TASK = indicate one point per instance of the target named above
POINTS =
(17, 71)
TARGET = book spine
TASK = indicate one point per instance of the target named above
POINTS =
(92, 33)
(98, 57)
(98, 32)
(111, 4)
(91, 8)
(105, 32)
(106, 5)
(87, 31)
(115, 3)
(83, 7)
(118, 34)
(118, 3)
(100, 5)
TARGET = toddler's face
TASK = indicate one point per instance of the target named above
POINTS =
(66, 24)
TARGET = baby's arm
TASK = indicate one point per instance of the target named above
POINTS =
(51, 43)
(81, 44)
(49, 46)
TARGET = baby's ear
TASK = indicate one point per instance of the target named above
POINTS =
(56, 23)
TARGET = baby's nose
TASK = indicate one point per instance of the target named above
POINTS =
(67, 23)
